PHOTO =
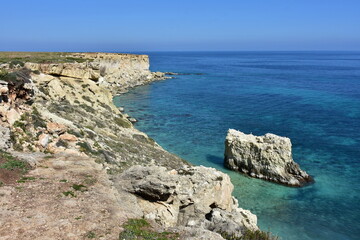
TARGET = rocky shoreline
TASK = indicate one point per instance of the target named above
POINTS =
(88, 170)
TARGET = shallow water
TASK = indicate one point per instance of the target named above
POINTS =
(311, 97)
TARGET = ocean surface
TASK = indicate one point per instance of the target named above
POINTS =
(311, 97)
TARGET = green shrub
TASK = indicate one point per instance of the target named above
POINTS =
(13, 164)
(79, 187)
(87, 108)
(122, 122)
(69, 193)
(141, 229)
(62, 143)
(3, 74)
(84, 147)
(91, 235)
(16, 62)
(86, 98)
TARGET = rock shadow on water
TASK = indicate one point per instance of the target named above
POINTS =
(216, 160)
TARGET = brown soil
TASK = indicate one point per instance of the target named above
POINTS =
(9, 176)
(66, 197)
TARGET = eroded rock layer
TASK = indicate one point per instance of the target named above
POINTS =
(116, 71)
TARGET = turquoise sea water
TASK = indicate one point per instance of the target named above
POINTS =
(311, 97)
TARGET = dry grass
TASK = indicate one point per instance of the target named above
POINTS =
(42, 57)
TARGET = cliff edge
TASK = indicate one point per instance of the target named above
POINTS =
(72, 166)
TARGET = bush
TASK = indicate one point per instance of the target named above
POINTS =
(122, 122)
(11, 162)
(141, 229)
(3, 74)
(15, 63)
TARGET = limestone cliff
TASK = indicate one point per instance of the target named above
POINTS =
(89, 169)
(116, 71)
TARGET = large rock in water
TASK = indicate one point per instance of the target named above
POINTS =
(267, 157)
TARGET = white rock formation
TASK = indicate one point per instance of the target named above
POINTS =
(267, 157)
(197, 197)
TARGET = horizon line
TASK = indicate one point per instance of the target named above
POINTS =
(136, 51)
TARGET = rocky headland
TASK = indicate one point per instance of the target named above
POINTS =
(267, 157)
(72, 165)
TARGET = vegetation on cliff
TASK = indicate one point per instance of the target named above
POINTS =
(19, 58)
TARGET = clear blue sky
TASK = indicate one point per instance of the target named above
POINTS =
(161, 25)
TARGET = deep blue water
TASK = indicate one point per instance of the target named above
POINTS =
(311, 97)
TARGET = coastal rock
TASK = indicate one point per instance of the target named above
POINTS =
(188, 197)
(195, 233)
(233, 223)
(5, 142)
(56, 128)
(117, 72)
(12, 116)
(267, 157)
(68, 137)
(44, 140)
(132, 120)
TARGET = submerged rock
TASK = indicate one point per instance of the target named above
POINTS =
(266, 157)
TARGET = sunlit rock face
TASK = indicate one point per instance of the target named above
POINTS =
(195, 197)
(116, 71)
(267, 157)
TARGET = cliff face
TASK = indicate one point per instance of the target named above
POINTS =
(85, 157)
(116, 71)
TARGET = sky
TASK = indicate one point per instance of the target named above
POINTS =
(186, 25)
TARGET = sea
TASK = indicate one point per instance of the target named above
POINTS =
(311, 97)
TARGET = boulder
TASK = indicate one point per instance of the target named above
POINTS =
(68, 137)
(267, 157)
(44, 140)
(55, 128)
(195, 197)
(132, 120)
(12, 116)
(233, 223)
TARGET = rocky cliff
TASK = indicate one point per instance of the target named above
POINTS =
(266, 157)
(78, 168)
(116, 71)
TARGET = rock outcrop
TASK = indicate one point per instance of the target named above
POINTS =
(5, 142)
(194, 197)
(118, 72)
(267, 157)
